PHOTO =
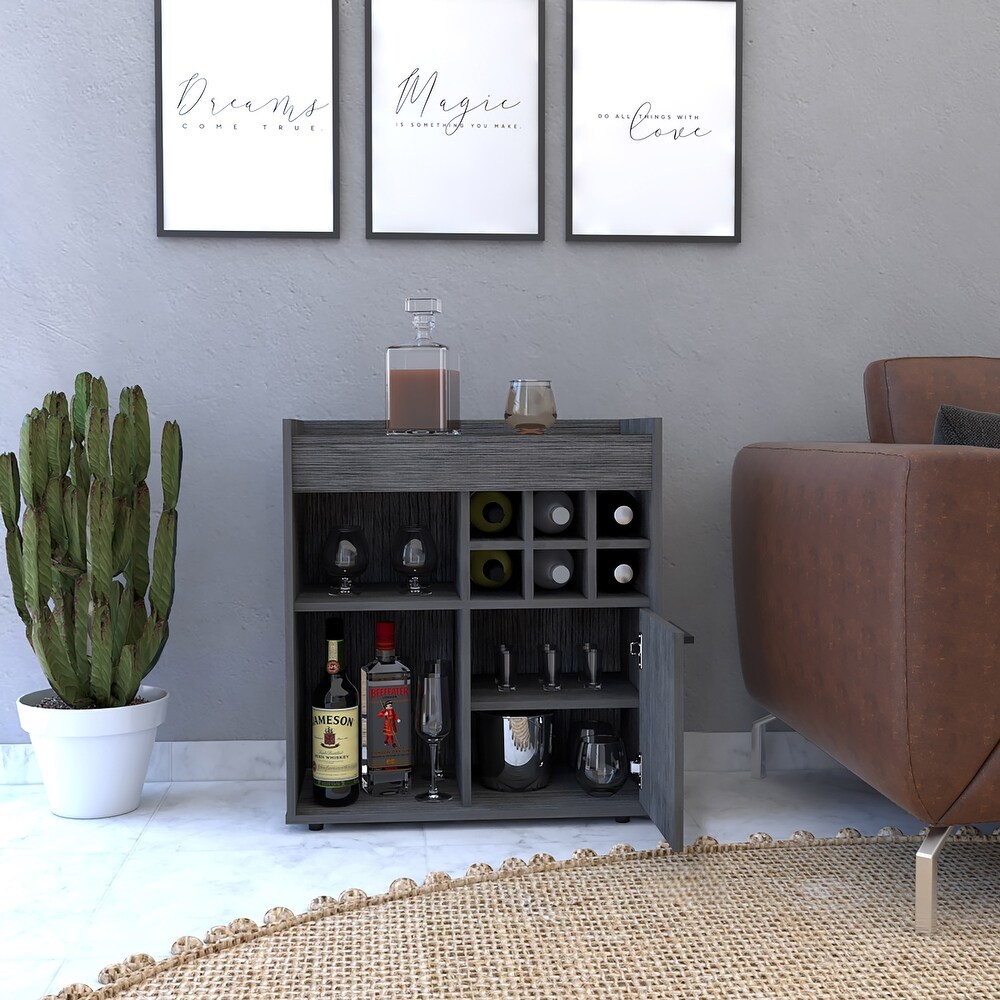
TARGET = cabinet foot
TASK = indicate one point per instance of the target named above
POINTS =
(315, 826)
(623, 819)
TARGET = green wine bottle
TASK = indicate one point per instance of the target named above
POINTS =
(490, 568)
(490, 512)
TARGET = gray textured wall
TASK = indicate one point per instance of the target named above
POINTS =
(870, 228)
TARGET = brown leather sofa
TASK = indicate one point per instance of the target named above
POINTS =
(867, 585)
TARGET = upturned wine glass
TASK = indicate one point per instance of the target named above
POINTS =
(433, 722)
(345, 558)
(415, 556)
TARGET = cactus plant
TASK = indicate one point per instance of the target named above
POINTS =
(79, 559)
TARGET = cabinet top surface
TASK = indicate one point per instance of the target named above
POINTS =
(347, 455)
(375, 429)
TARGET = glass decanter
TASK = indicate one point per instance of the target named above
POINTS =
(422, 378)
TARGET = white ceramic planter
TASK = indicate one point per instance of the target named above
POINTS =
(93, 761)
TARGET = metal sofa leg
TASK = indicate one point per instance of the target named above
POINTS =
(927, 864)
(757, 732)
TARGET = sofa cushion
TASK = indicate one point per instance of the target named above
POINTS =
(957, 425)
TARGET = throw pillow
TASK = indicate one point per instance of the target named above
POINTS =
(956, 425)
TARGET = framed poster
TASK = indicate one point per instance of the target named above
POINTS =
(653, 150)
(246, 118)
(454, 91)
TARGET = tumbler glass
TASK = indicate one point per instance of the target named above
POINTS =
(531, 405)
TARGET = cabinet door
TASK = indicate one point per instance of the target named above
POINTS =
(661, 725)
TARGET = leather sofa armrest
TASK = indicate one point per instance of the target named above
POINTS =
(867, 585)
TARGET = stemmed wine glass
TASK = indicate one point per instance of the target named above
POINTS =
(433, 709)
(345, 557)
(415, 555)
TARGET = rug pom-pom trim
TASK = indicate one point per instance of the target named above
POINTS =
(137, 966)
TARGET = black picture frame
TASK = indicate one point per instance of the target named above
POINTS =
(424, 179)
(247, 118)
(644, 79)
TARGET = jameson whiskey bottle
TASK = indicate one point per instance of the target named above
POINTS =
(336, 726)
(387, 718)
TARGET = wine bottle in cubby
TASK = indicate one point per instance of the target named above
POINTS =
(617, 513)
(335, 728)
(490, 511)
(387, 718)
(553, 511)
(617, 569)
(553, 568)
(490, 568)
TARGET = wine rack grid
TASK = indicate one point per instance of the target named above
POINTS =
(351, 472)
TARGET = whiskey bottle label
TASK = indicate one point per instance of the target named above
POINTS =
(389, 726)
(335, 747)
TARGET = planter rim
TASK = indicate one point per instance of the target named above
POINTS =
(86, 722)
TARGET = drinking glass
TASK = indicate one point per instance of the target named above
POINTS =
(433, 709)
(582, 732)
(345, 557)
(505, 669)
(531, 405)
(549, 664)
(589, 659)
(602, 767)
(415, 555)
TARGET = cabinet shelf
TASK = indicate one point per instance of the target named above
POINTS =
(615, 693)
(502, 542)
(351, 472)
(379, 596)
(562, 798)
(559, 599)
(379, 809)
(568, 542)
(621, 542)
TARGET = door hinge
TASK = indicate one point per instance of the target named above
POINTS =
(635, 648)
(635, 767)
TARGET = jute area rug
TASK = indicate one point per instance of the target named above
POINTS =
(803, 918)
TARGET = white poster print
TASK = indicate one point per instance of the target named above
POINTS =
(654, 130)
(454, 118)
(247, 116)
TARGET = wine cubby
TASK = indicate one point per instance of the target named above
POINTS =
(348, 472)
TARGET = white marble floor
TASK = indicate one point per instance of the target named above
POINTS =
(76, 895)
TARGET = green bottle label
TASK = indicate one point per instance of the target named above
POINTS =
(336, 759)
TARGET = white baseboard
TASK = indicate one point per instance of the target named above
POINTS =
(784, 751)
(205, 760)
(261, 760)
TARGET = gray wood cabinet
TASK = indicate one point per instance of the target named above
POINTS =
(338, 472)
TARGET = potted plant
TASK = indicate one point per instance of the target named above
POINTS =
(93, 612)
